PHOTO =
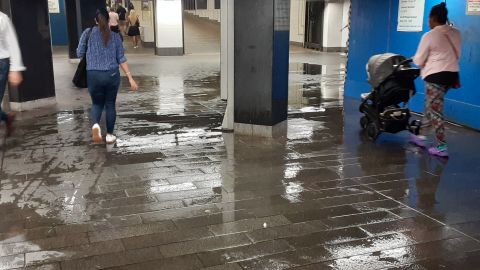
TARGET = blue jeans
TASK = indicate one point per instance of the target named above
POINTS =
(4, 70)
(103, 87)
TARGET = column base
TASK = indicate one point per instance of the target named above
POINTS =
(174, 51)
(276, 131)
(34, 104)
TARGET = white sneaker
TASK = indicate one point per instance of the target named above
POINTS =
(97, 134)
(111, 139)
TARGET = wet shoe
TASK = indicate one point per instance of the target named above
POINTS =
(111, 139)
(420, 141)
(97, 134)
(10, 126)
(440, 151)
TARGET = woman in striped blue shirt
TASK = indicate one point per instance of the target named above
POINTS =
(105, 54)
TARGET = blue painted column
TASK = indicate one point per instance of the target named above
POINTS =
(58, 26)
(261, 57)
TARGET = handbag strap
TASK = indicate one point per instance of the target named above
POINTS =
(457, 54)
(88, 39)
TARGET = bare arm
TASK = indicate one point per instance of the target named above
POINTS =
(122, 61)
(133, 84)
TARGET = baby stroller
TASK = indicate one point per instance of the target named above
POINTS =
(385, 107)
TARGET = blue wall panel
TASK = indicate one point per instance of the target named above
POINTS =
(58, 26)
(368, 36)
(380, 35)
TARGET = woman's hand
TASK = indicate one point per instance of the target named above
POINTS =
(133, 84)
(15, 78)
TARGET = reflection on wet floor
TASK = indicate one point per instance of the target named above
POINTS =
(314, 87)
(176, 193)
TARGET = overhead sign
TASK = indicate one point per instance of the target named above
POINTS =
(473, 7)
(410, 15)
(53, 6)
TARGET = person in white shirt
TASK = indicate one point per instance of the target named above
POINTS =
(113, 20)
(11, 65)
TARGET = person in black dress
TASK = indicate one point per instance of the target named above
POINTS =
(134, 28)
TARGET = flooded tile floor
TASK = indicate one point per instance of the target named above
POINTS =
(177, 193)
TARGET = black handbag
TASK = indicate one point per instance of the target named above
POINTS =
(80, 77)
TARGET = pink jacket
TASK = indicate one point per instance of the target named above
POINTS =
(436, 54)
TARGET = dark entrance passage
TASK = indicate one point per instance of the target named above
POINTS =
(314, 25)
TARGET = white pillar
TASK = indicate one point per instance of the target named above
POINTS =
(297, 21)
(332, 26)
(227, 62)
(211, 9)
(210, 4)
(169, 28)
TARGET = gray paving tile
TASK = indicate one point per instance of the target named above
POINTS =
(184, 212)
(360, 219)
(244, 253)
(161, 189)
(248, 225)
(114, 259)
(42, 244)
(206, 244)
(289, 259)
(76, 252)
(130, 231)
(14, 261)
(211, 219)
(230, 266)
(55, 266)
(166, 238)
(187, 262)
(290, 230)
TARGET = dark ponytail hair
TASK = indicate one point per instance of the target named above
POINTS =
(102, 18)
(440, 13)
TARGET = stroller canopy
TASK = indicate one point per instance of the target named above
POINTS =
(381, 66)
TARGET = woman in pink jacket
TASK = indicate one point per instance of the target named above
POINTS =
(438, 55)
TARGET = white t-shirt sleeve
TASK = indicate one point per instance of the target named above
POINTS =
(11, 41)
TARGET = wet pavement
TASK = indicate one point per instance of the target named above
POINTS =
(177, 193)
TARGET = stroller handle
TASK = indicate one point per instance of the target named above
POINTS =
(406, 61)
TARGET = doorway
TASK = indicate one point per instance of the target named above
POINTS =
(314, 24)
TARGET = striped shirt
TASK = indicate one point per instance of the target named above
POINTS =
(99, 56)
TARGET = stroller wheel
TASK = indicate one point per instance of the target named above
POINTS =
(364, 122)
(372, 131)
(415, 127)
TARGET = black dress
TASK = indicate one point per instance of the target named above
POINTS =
(134, 30)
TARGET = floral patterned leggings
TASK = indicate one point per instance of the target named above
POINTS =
(433, 117)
